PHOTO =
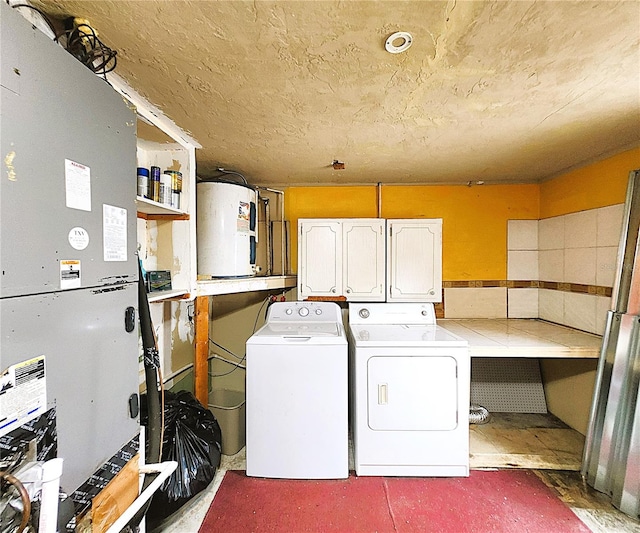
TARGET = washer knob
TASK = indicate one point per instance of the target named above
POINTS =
(364, 313)
(318, 311)
(303, 311)
(288, 311)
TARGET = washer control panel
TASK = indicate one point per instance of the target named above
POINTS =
(304, 311)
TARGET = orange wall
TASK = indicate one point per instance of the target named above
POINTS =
(474, 225)
(474, 240)
(474, 218)
(598, 185)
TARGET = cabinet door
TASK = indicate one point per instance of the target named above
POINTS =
(319, 258)
(414, 262)
(363, 259)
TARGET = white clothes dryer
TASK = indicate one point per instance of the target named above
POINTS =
(297, 394)
(410, 383)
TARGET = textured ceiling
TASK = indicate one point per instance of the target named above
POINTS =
(506, 91)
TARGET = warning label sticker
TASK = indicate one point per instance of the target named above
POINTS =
(23, 394)
(244, 215)
(70, 275)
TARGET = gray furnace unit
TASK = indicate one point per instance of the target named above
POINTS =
(68, 289)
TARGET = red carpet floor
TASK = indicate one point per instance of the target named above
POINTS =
(487, 501)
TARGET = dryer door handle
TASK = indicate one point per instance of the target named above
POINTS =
(296, 339)
(383, 396)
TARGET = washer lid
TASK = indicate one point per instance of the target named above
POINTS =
(404, 335)
(312, 332)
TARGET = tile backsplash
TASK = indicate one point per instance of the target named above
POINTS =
(578, 252)
(522, 234)
(559, 269)
(472, 302)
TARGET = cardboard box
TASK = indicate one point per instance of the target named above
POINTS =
(116, 497)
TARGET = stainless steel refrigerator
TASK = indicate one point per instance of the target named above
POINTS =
(68, 286)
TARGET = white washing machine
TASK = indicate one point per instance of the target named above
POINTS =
(409, 392)
(297, 393)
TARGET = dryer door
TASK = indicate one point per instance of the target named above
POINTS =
(412, 393)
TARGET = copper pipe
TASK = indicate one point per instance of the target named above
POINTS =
(24, 496)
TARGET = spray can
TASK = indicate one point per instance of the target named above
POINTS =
(155, 184)
(165, 189)
(143, 182)
(176, 187)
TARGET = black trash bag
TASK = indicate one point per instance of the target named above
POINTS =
(192, 438)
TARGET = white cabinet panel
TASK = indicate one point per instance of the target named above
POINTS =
(412, 393)
(357, 259)
(363, 259)
(342, 257)
(319, 265)
(414, 260)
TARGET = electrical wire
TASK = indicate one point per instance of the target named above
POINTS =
(41, 13)
(241, 359)
(83, 43)
(220, 358)
(225, 171)
(161, 409)
(24, 496)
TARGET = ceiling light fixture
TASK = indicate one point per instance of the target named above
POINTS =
(337, 165)
(398, 42)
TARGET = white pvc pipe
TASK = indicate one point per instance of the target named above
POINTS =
(51, 472)
(283, 243)
(164, 470)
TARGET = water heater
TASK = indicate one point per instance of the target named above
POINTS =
(226, 229)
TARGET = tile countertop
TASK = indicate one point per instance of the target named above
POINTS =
(513, 337)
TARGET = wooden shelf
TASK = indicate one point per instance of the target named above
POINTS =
(174, 294)
(215, 287)
(148, 209)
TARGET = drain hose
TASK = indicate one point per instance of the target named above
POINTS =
(478, 414)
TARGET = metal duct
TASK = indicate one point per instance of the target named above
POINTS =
(611, 462)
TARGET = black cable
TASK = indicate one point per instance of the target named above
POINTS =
(84, 44)
(230, 363)
(226, 350)
(255, 325)
(41, 13)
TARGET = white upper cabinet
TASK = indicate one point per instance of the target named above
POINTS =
(341, 257)
(319, 258)
(414, 260)
(363, 269)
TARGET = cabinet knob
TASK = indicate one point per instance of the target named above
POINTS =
(432, 292)
(348, 291)
(333, 291)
